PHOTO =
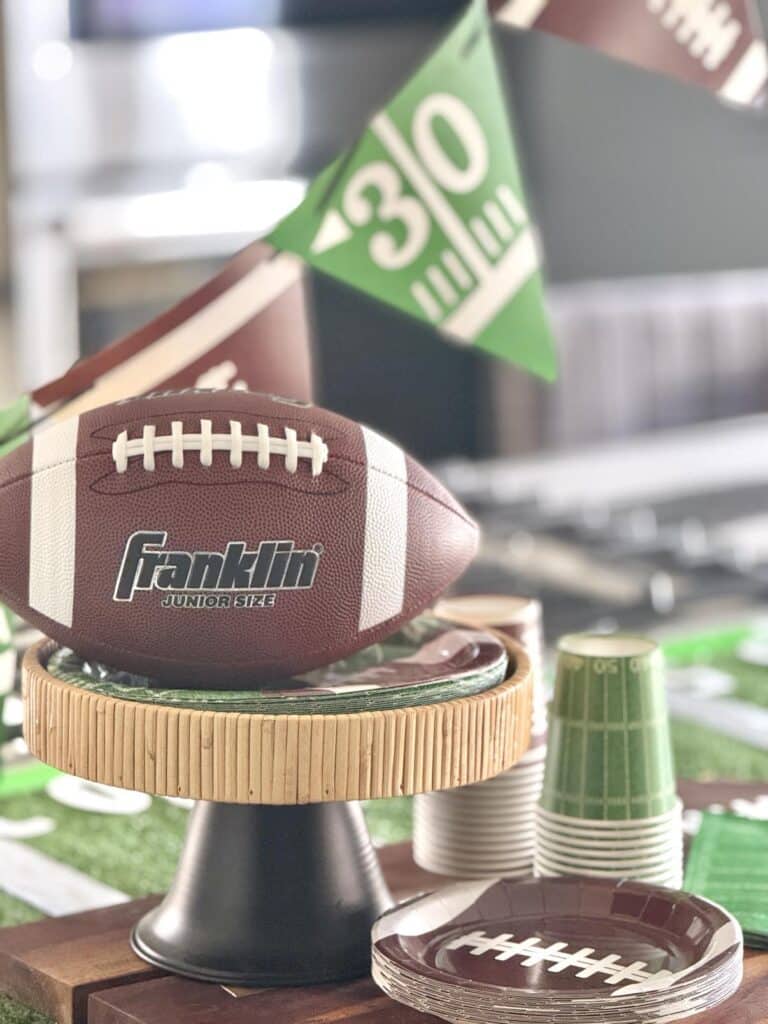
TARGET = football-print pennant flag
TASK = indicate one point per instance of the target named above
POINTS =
(427, 213)
(246, 327)
(717, 44)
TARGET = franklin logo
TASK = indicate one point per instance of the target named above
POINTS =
(273, 565)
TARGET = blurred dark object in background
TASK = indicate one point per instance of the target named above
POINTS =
(115, 19)
(641, 535)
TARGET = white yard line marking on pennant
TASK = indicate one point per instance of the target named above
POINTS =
(186, 343)
(429, 305)
(442, 286)
(498, 286)
(498, 221)
(456, 269)
(512, 204)
(485, 237)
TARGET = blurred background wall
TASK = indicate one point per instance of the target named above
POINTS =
(144, 143)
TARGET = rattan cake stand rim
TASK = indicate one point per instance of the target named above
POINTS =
(239, 757)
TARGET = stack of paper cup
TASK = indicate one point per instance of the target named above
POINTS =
(608, 805)
(488, 829)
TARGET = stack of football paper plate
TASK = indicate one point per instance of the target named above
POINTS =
(488, 829)
(427, 662)
(570, 950)
(608, 805)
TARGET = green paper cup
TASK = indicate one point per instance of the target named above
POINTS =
(609, 756)
(637, 827)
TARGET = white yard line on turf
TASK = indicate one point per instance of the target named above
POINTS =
(50, 886)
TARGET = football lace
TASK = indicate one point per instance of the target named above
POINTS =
(557, 955)
(236, 443)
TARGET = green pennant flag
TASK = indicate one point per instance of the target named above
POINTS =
(427, 213)
(14, 424)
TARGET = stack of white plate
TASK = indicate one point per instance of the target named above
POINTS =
(483, 830)
(649, 849)
(489, 828)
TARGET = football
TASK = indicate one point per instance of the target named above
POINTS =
(717, 44)
(222, 538)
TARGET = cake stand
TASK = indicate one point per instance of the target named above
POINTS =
(278, 883)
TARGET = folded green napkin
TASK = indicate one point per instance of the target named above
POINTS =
(728, 863)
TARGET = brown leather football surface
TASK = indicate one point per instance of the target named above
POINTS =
(222, 537)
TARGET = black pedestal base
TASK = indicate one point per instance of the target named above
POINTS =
(269, 896)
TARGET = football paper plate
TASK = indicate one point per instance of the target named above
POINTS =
(426, 662)
(563, 949)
